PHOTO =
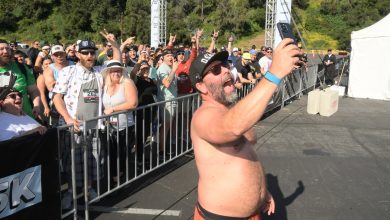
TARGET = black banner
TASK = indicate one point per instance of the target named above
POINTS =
(29, 177)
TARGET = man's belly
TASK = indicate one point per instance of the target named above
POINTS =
(234, 186)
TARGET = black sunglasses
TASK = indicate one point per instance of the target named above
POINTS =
(180, 53)
(13, 95)
(87, 52)
(216, 70)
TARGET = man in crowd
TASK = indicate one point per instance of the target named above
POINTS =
(73, 80)
(231, 178)
(102, 57)
(20, 57)
(71, 53)
(262, 52)
(13, 46)
(266, 61)
(78, 97)
(33, 51)
(14, 123)
(25, 82)
(167, 89)
(51, 75)
(183, 82)
(253, 50)
(330, 67)
(255, 66)
(245, 70)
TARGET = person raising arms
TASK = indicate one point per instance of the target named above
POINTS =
(231, 177)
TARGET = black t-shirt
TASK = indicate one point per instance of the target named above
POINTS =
(146, 90)
(259, 55)
(32, 53)
(131, 63)
(255, 66)
(244, 70)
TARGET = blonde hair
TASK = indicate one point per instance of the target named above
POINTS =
(107, 80)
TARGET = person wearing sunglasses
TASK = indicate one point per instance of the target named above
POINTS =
(33, 51)
(50, 76)
(78, 97)
(14, 122)
(266, 61)
(245, 71)
(231, 178)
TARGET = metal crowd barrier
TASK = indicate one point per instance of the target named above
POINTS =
(105, 157)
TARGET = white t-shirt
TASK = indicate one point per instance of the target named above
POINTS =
(13, 125)
(265, 63)
(234, 72)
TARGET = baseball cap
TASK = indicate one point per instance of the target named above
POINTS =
(253, 52)
(246, 56)
(46, 47)
(166, 52)
(201, 63)
(86, 44)
(57, 48)
(144, 64)
(235, 49)
(6, 92)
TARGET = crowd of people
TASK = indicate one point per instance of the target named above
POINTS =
(51, 78)
(57, 85)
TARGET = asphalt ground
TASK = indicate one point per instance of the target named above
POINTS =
(317, 167)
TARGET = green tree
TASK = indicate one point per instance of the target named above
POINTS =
(137, 20)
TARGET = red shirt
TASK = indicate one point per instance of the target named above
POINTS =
(182, 71)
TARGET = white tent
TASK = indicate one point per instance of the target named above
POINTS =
(369, 75)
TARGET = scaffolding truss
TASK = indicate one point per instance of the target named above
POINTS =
(163, 22)
(270, 15)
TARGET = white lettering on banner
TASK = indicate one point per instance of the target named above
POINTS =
(20, 190)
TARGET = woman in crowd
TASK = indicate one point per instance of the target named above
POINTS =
(44, 54)
(147, 90)
(119, 94)
(44, 93)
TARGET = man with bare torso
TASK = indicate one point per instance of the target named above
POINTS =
(231, 182)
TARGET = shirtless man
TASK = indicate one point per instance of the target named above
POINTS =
(231, 178)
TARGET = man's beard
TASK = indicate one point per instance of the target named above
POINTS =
(86, 63)
(4, 61)
(219, 94)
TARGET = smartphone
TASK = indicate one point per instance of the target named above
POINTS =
(285, 31)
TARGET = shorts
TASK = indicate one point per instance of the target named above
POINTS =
(170, 109)
(203, 214)
(184, 105)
